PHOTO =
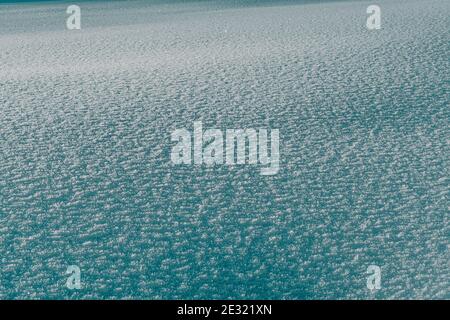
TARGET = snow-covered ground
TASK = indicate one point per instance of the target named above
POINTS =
(85, 171)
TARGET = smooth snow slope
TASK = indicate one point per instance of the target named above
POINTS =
(85, 171)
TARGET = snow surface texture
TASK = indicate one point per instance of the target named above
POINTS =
(85, 171)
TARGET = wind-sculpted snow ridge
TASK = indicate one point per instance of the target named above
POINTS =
(85, 171)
